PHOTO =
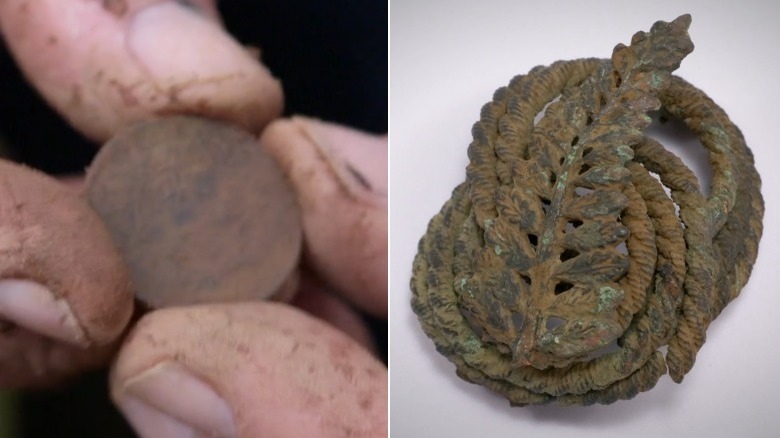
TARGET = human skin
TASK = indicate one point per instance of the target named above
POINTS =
(340, 178)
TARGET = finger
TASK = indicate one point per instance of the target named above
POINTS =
(64, 292)
(103, 64)
(247, 370)
(315, 299)
(340, 176)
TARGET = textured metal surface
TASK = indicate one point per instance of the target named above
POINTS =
(560, 267)
(200, 212)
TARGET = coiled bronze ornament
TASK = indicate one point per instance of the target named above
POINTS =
(560, 267)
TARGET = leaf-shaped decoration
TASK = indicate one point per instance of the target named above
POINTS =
(554, 217)
(560, 267)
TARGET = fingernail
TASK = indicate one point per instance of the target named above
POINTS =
(33, 306)
(168, 401)
(177, 44)
(353, 156)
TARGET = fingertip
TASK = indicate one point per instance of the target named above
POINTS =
(278, 371)
(201, 68)
(50, 237)
(65, 298)
(365, 154)
(106, 64)
(344, 203)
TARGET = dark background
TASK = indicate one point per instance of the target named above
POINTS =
(331, 57)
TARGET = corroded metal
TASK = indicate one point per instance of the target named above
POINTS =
(560, 267)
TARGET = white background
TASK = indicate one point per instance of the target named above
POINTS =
(447, 58)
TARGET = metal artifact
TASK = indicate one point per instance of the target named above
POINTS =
(200, 212)
(560, 267)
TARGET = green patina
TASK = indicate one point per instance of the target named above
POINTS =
(716, 131)
(473, 344)
(608, 297)
(625, 153)
(657, 80)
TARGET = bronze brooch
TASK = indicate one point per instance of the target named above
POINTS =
(558, 270)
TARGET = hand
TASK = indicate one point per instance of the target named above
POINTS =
(235, 370)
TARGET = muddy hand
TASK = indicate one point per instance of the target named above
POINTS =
(267, 369)
(104, 64)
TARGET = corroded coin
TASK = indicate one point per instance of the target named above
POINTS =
(200, 212)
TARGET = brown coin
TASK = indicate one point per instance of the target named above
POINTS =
(200, 212)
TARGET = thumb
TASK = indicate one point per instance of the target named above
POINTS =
(247, 370)
(64, 293)
(104, 64)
